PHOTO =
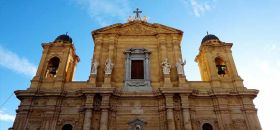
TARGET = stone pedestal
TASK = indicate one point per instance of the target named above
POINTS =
(107, 81)
(92, 79)
(182, 81)
(167, 82)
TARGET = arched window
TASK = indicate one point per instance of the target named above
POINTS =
(207, 126)
(52, 67)
(67, 127)
(221, 67)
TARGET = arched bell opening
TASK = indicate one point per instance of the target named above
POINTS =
(221, 67)
(207, 126)
(67, 127)
(52, 68)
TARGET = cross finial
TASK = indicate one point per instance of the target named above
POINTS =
(207, 33)
(137, 12)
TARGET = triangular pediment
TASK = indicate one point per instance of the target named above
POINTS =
(137, 28)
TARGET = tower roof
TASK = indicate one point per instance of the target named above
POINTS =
(209, 37)
(64, 38)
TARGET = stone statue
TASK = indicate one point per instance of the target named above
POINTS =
(165, 66)
(180, 66)
(130, 19)
(108, 66)
(94, 67)
(145, 19)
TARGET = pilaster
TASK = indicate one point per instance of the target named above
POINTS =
(104, 111)
(169, 111)
(88, 111)
(186, 111)
(162, 44)
(223, 113)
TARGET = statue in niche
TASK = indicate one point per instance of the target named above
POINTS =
(165, 66)
(108, 66)
(180, 66)
(94, 67)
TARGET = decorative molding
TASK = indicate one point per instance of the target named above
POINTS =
(137, 29)
(137, 123)
(137, 84)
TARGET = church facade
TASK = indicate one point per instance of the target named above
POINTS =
(137, 82)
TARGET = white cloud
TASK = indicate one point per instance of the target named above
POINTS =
(16, 63)
(105, 11)
(6, 117)
(199, 7)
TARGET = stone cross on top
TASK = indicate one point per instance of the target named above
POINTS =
(137, 12)
(137, 16)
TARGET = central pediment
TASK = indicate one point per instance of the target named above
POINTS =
(137, 28)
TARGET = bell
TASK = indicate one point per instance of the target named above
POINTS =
(53, 70)
(221, 69)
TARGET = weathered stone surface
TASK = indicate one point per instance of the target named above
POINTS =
(170, 103)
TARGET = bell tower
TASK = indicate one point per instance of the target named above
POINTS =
(216, 62)
(58, 61)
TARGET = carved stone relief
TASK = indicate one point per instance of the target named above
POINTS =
(137, 124)
(137, 29)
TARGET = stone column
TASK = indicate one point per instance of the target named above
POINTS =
(87, 120)
(88, 112)
(169, 111)
(104, 119)
(170, 119)
(104, 112)
(186, 112)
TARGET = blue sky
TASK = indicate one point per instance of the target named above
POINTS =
(252, 25)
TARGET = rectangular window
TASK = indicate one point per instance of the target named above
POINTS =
(137, 69)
